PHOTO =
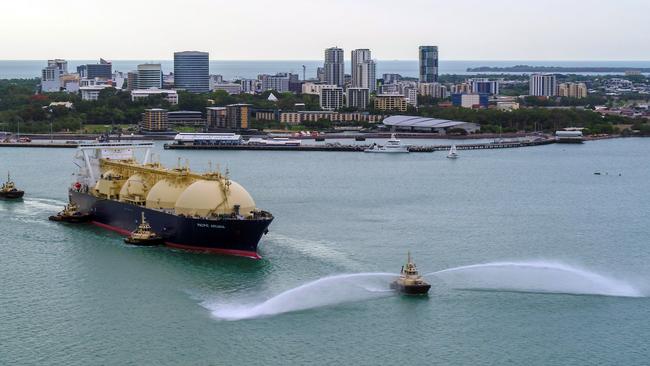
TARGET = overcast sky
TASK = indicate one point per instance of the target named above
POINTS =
(301, 29)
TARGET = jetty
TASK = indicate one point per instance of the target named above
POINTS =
(336, 147)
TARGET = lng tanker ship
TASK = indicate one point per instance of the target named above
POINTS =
(200, 212)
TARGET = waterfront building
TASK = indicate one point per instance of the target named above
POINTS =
(425, 124)
(472, 100)
(572, 90)
(358, 98)
(428, 57)
(155, 119)
(91, 92)
(230, 88)
(237, 116)
(297, 118)
(543, 85)
(391, 102)
(331, 98)
(170, 95)
(334, 66)
(191, 71)
(435, 90)
(485, 86)
(215, 118)
(149, 76)
(185, 118)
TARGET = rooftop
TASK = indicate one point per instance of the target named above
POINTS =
(414, 121)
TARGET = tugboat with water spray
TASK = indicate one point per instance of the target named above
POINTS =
(8, 191)
(410, 282)
(143, 235)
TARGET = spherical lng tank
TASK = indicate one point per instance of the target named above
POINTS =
(210, 197)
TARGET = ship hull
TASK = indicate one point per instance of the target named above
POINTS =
(12, 195)
(223, 236)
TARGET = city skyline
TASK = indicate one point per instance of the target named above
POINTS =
(501, 30)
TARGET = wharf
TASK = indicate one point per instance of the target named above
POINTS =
(360, 148)
(39, 145)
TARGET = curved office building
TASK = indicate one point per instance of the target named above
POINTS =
(191, 71)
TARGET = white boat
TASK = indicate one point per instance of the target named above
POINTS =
(452, 153)
(392, 146)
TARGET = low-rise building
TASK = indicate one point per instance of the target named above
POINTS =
(185, 118)
(216, 118)
(297, 118)
(391, 102)
(314, 88)
(237, 116)
(230, 88)
(170, 95)
(92, 92)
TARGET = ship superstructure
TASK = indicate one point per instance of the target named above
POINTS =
(206, 212)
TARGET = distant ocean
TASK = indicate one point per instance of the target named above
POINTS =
(10, 69)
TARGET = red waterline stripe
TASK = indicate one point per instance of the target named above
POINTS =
(233, 252)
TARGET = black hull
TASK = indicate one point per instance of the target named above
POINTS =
(223, 236)
(13, 195)
(422, 289)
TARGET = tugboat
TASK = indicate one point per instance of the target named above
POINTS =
(409, 281)
(70, 214)
(9, 191)
(143, 235)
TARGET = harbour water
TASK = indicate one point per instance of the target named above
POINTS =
(234, 69)
(553, 264)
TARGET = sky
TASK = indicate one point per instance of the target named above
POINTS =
(302, 29)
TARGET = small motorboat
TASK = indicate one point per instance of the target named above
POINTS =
(9, 191)
(409, 281)
(359, 138)
(392, 146)
(71, 214)
(143, 235)
(453, 154)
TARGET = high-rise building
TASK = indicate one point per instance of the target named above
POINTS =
(363, 70)
(279, 82)
(543, 85)
(572, 90)
(485, 86)
(155, 119)
(334, 66)
(331, 99)
(357, 98)
(149, 76)
(102, 70)
(391, 78)
(192, 71)
(471, 100)
(51, 75)
(428, 56)
(411, 95)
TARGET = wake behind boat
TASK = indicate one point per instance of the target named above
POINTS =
(393, 145)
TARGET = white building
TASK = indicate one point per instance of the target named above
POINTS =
(149, 76)
(278, 82)
(435, 90)
(543, 85)
(315, 89)
(250, 86)
(51, 75)
(358, 98)
(230, 88)
(331, 98)
(411, 95)
(363, 70)
(170, 95)
(92, 92)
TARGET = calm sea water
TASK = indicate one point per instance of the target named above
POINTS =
(76, 295)
(250, 69)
